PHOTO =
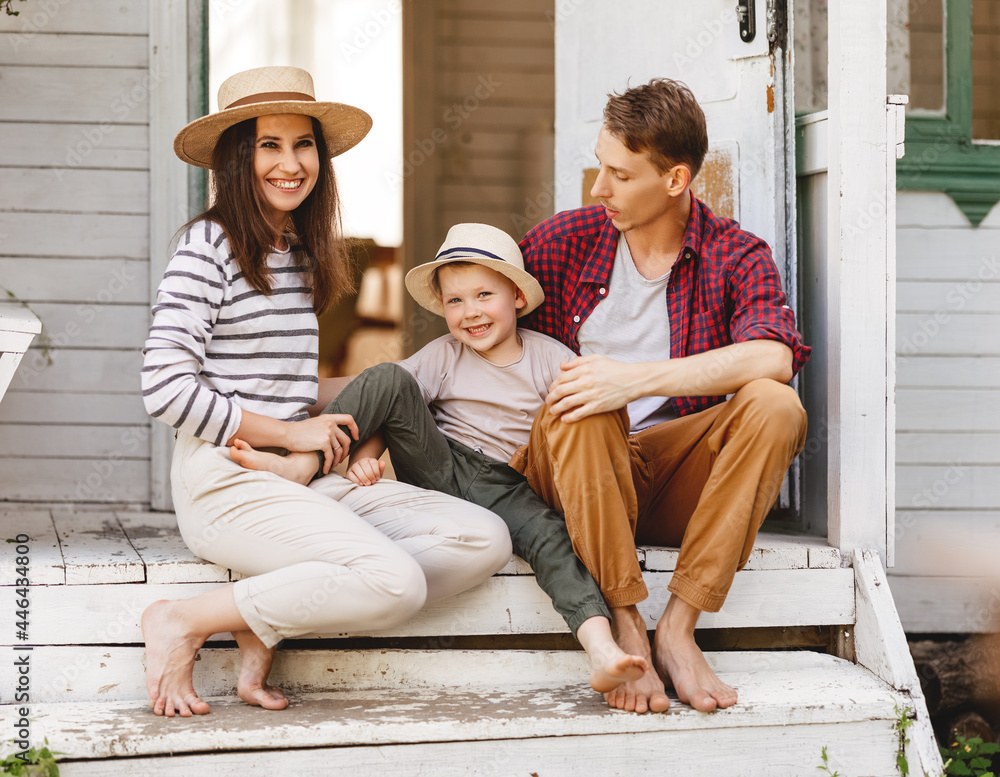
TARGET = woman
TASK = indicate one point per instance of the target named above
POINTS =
(232, 353)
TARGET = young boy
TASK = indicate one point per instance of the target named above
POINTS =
(484, 382)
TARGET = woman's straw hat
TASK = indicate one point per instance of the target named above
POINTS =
(262, 92)
(479, 244)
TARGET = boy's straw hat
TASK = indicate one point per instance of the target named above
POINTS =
(479, 244)
(263, 92)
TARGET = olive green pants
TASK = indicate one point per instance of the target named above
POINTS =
(387, 399)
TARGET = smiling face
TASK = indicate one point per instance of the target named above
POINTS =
(633, 191)
(480, 307)
(286, 164)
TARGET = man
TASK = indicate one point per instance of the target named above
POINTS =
(671, 309)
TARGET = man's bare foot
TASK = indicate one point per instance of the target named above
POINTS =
(254, 669)
(297, 467)
(170, 655)
(646, 693)
(678, 657)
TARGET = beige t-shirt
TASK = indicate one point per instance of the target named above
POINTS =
(486, 406)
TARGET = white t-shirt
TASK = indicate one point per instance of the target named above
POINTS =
(631, 325)
(486, 406)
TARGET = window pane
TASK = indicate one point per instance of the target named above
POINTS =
(985, 70)
(926, 54)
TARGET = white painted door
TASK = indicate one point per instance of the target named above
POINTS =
(748, 175)
(603, 47)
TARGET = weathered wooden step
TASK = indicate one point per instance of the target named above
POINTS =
(502, 712)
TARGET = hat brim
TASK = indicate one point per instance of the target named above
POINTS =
(418, 282)
(344, 126)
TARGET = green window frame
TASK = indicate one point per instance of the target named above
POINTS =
(940, 155)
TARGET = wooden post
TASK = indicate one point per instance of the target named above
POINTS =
(860, 217)
(168, 176)
(420, 171)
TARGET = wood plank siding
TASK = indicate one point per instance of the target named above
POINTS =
(479, 129)
(948, 412)
(495, 95)
(74, 246)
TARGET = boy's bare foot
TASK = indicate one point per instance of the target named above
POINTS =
(645, 694)
(610, 666)
(679, 658)
(170, 655)
(254, 669)
(607, 676)
(297, 467)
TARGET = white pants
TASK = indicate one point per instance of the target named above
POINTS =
(332, 557)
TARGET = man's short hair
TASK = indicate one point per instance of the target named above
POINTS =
(663, 119)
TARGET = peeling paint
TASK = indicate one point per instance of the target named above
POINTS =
(770, 98)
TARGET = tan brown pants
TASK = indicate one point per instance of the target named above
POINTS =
(703, 483)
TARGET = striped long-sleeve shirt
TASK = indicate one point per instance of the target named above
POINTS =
(217, 346)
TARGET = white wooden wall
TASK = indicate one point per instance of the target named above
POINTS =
(75, 88)
(948, 416)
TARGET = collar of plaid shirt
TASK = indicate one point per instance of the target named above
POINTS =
(724, 287)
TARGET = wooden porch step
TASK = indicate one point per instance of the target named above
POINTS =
(499, 713)
(92, 574)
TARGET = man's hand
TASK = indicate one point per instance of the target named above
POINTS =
(593, 384)
(366, 471)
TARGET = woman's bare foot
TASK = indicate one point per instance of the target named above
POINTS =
(297, 467)
(254, 669)
(679, 658)
(610, 666)
(170, 656)
(645, 694)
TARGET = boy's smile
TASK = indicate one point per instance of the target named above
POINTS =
(480, 307)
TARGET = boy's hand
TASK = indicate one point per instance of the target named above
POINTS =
(366, 472)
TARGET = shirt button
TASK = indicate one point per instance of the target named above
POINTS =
(687, 254)
(576, 319)
(603, 290)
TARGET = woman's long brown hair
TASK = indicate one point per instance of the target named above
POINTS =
(238, 207)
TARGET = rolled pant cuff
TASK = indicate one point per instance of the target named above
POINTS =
(695, 595)
(586, 612)
(244, 603)
(623, 597)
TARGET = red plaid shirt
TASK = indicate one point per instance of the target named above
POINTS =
(723, 289)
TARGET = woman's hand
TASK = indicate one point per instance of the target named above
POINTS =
(366, 472)
(323, 433)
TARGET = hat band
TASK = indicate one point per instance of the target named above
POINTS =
(270, 97)
(470, 251)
